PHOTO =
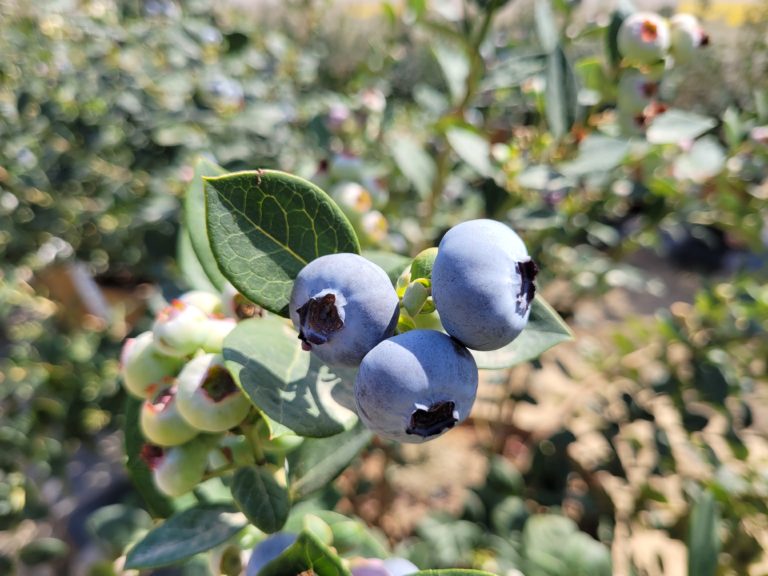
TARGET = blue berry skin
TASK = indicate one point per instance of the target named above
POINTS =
(343, 305)
(483, 284)
(415, 386)
(267, 550)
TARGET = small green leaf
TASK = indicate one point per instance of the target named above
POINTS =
(597, 153)
(194, 218)
(545, 329)
(265, 226)
(185, 534)
(263, 501)
(546, 27)
(190, 266)
(611, 37)
(452, 58)
(472, 148)
(703, 161)
(676, 126)
(307, 554)
(561, 93)
(317, 462)
(703, 538)
(414, 162)
(289, 385)
(157, 503)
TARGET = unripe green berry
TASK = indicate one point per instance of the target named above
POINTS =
(208, 302)
(643, 38)
(208, 397)
(161, 422)
(143, 367)
(179, 329)
(216, 330)
(687, 36)
(178, 469)
(636, 91)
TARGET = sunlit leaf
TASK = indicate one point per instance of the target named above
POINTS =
(265, 226)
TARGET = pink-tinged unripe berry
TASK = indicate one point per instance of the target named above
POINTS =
(143, 367)
(178, 469)
(179, 329)
(687, 36)
(643, 38)
(161, 423)
(208, 397)
(636, 91)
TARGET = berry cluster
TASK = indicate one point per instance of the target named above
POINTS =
(190, 400)
(649, 44)
(415, 385)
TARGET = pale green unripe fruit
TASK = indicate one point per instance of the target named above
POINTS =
(208, 302)
(179, 329)
(207, 396)
(636, 91)
(143, 367)
(179, 469)
(643, 38)
(687, 36)
(216, 330)
(161, 422)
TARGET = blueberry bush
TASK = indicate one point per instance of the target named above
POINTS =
(429, 289)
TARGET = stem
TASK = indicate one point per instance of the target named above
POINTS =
(476, 71)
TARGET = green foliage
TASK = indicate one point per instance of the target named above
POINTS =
(265, 226)
(104, 116)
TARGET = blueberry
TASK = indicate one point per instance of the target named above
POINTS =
(482, 284)
(267, 550)
(144, 368)
(415, 386)
(343, 305)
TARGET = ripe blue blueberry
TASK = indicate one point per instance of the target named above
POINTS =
(267, 550)
(415, 386)
(343, 305)
(482, 284)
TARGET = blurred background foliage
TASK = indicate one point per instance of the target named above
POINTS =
(413, 117)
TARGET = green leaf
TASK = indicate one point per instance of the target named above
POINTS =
(546, 27)
(676, 126)
(545, 329)
(185, 534)
(317, 462)
(265, 226)
(597, 153)
(472, 148)
(289, 385)
(263, 501)
(157, 503)
(454, 63)
(308, 553)
(703, 539)
(190, 266)
(194, 218)
(414, 162)
(703, 161)
(561, 93)
(585, 556)
(612, 37)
